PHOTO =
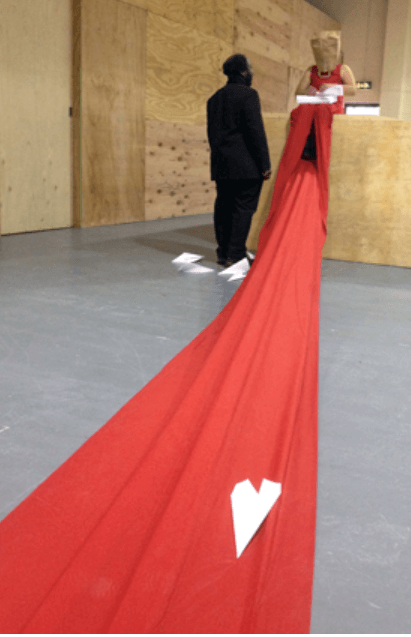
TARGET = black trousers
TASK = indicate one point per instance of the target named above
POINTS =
(236, 202)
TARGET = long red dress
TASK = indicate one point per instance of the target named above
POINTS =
(134, 533)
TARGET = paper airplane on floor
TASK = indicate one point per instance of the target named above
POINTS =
(187, 262)
(196, 268)
(250, 508)
(236, 271)
(237, 277)
(187, 257)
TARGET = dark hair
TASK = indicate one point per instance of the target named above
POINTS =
(235, 65)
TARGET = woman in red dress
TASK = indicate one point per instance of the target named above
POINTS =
(327, 72)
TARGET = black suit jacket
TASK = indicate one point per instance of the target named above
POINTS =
(236, 134)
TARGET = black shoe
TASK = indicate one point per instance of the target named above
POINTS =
(229, 262)
(222, 261)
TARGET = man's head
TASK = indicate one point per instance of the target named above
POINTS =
(326, 48)
(238, 66)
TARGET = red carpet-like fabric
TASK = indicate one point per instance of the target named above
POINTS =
(134, 533)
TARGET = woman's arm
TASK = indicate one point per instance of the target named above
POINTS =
(348, 80)
(304, 87)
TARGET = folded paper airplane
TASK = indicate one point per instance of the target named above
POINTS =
(188, 262)
(187, 257)
(250, 508)
(236, 271)
(196, 268)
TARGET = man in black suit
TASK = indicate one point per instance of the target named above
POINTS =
(240, 159)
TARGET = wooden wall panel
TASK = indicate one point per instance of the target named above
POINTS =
(113, 117)
(264, 28)
(35, 156)
(212, 17)
(183, 71)
(76, 122)
(178, 171)
(370, 189)
(271, 82)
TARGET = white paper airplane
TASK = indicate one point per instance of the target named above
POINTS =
(236, 271)
(196, 268)
(250, 508)
(187, 262)
(187, 257)
(236, 277)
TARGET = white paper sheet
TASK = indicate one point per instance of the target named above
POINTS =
(328, 96)
(336, 89)
(250, 508)
(320, 98)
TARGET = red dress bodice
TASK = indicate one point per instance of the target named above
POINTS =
(316, 80)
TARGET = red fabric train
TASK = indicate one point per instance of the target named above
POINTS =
(134, 533)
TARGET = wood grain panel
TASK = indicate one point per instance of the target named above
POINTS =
(113, 118)
(35, 155)
(178, 171)
(263, 34)
(212, 17)
(271, 82)
(76, 102)
(142, 4)
(370, 189)
(247, 38)
(266, 17)
(183, 71)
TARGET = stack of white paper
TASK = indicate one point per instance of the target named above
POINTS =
(328, 96)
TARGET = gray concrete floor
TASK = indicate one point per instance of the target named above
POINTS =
(87, 317)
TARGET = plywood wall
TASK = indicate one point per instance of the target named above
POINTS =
(147, 70)
(35, 156)
(187, 43)
(183, 70)
(178, 175)
(113, 79)
(211, 17)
